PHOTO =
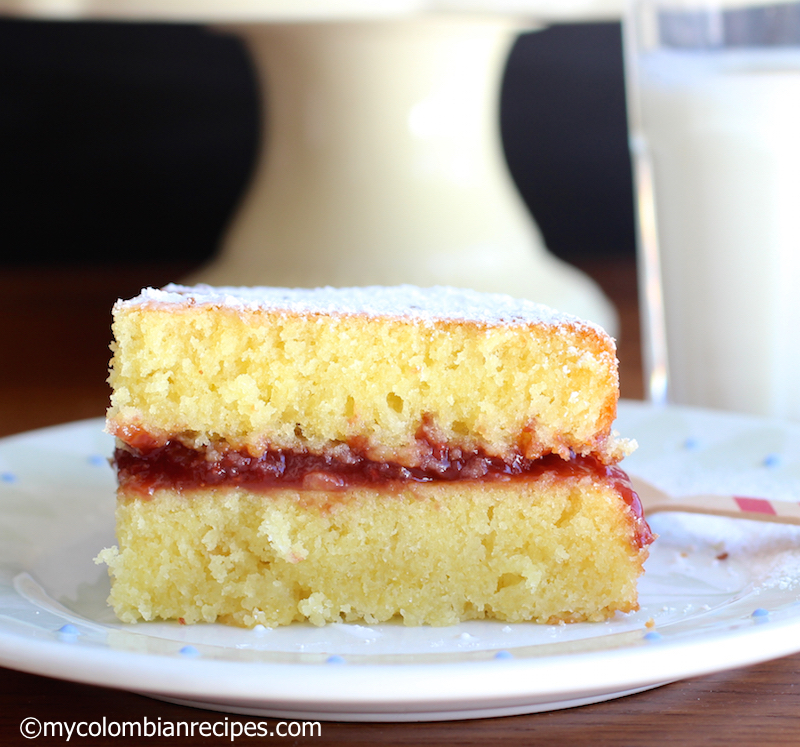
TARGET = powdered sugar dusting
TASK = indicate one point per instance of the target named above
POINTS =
(768, 551)
(425, 304)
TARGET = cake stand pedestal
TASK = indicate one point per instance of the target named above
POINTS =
(381, 160)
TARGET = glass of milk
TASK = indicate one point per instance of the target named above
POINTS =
(714, 107)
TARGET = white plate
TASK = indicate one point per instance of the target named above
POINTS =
(721, 593)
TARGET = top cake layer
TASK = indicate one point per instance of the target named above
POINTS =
(387, 373)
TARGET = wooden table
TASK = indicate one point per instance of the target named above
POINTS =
(54, 337)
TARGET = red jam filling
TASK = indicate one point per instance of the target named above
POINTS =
(176, 466)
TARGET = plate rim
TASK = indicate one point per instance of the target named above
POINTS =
(355, 682)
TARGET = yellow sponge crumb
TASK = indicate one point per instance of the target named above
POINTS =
(542, 550)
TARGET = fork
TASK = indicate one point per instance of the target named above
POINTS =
(741, 507)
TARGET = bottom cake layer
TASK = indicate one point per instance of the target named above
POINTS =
(539, 549)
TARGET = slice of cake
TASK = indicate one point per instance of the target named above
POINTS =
(435, 455)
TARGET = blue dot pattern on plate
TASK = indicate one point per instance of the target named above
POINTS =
(335, 659)
(68, 632)
(504, 655)
(691, 443)
(8, 477)
(760, 612)
(97, 460)
(653, 635)
(189, 651)
(772, 460)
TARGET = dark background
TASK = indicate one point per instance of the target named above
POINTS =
(129, 141)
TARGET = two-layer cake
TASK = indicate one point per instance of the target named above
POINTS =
(435, 455)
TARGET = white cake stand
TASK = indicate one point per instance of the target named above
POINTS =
(381, 160)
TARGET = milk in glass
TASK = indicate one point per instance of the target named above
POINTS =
(722, 128)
